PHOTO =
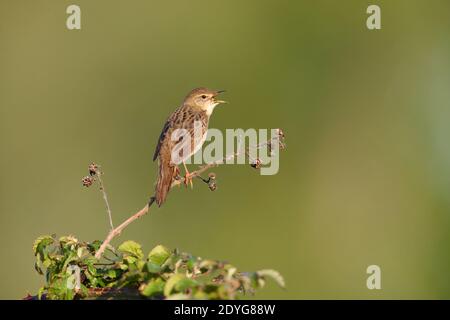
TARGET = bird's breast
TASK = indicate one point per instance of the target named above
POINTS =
(192, 139)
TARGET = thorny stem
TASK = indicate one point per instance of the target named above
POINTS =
(105, 197)
(115, 232)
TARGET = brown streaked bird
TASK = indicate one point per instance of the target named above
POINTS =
(196, 109)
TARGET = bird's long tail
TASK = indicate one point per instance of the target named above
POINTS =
(167, 172)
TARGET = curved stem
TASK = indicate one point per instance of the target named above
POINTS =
(115, 232)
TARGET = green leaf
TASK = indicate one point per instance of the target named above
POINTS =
(41, 292)
(275, 275)
(132, 248)
(170, 284)
(113, 274)
(153, 287)
(38, 268)
(191, 263)
(185, 284)
(92, 270)
(126, 268)
(41, 243)
(94, 246)
(159, 255)
(69, 240)
(153, 267)
(123, 266)
(178, 282)
(47, 263)
(71, 258)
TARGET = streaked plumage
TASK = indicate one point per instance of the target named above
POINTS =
(197, 106)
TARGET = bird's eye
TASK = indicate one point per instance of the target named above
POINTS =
(203, 97)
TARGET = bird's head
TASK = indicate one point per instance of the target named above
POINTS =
(204, 99)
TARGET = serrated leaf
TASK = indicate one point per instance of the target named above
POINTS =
(132, 248)
(159, 255)
(275, 275)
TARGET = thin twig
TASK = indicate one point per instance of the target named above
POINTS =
(205, 167)
(115, 232)
(105, 197)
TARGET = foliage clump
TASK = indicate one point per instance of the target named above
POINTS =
(72, 272)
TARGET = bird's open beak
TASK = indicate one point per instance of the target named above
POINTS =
(215, 97)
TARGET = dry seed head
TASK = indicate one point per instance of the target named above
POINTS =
(87, 181)
(93, 169)
(256, 164)
(212, 185)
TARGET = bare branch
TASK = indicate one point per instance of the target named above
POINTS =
(115, 232)
(105, 197)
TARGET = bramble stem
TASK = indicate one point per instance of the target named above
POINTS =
(115, 232)
(105, 197)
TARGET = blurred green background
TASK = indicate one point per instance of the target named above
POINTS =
(365, 178)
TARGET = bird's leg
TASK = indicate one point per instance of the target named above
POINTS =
(187, 176)
(177, 173)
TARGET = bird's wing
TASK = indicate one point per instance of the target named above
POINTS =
(169, 123)
(161, 139)
(182, 118)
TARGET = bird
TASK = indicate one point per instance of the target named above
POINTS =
(184, 125)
